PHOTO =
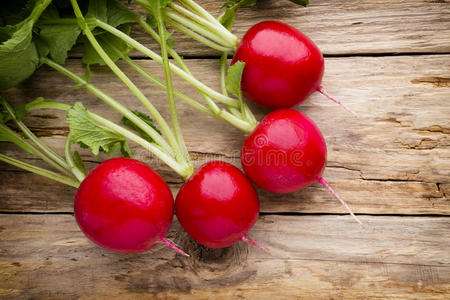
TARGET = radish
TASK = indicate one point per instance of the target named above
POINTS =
(274, 65)
(159, 137)
(285, 153)
(282, 65)
(125, 206)
(217, 205)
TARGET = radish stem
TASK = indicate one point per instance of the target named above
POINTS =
(113, 103)
(182, 170)
(201, 30)
(37, 142)
(213, 26)
(68, 153)
(40, 171)
(121, 75)
(169, 86)
(189, 78)
(199, 38)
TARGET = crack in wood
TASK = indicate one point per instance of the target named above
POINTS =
(434, 128)
(438, 82)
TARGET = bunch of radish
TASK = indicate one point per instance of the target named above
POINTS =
(124, 205)
(274, 65)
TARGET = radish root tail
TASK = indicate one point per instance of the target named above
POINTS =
(325, 184)
(173, 247)
(251, 242)
(321, 90)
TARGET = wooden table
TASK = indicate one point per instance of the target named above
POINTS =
(388, 60)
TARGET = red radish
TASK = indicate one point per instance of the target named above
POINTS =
(285, 153)
(125, 206)
(283, 67)
(217, 205)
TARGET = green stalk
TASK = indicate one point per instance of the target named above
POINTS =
(119, 73)
(237, 122)
(213, 106)
(79, 174)
(221, 114)
(189, 78)
(113, 103)
(169, 85)
(182, 170)
(200, 29)
(220, 30)
(200, 10)
(223, 72)
(36, 151)
(39, 9)
(223, 84)
(199, 38)
(157, 82)
(37, 142)
(39, 171)
(172, 52)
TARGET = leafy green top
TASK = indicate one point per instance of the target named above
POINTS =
(33, 29)
(88, 134)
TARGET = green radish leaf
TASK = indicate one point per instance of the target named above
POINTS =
(13, 12)
(79, 162)
(18, 57)
(232, 6)
(144, 118)
(118, 13)
(60, 38)
(151, 20)
(41, 46)
(97, 10)
(87, 133)
(50, 13)
(301, 2)
(164, 3)
(112, 45)
(233, 80)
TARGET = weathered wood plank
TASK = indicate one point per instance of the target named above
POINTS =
(47, 257)
(394, 159)
(344, 27)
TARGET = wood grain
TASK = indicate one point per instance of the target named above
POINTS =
(320, 257)
(394, 159)
(342, 27)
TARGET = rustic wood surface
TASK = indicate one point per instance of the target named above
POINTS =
(388, 60)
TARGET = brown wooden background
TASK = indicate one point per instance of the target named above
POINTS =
(388, 60)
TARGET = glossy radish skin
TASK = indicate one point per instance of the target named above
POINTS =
(282, 65)
(123, 205)
(285, 153)
(217, 205)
